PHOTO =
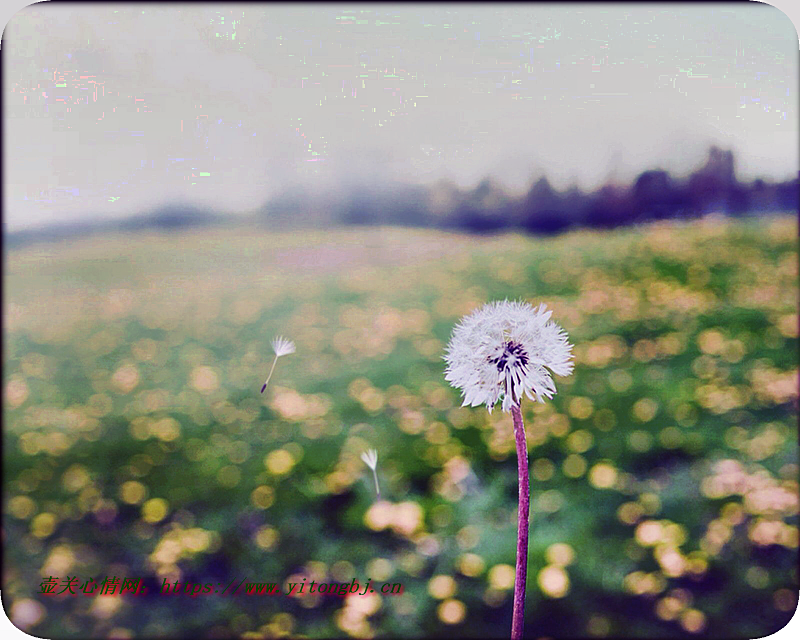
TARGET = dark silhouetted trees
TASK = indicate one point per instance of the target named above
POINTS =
(485, 209)
(543, 210)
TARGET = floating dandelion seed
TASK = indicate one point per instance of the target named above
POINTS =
(370, 458)
(282, 347)
(504, 350)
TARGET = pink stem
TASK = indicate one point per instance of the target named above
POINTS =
(518, 619)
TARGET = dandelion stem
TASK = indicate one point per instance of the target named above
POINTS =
(270, 373)
(518, 619)
(377, 488)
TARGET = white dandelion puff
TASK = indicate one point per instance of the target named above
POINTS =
(504, 350)
(282, 347)
(370, 458)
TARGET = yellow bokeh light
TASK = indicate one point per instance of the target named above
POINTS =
(21, 507)
(553, 581)
(99, 404)
(16, 392)
(43, 525)
(649, 533)
(279, 462)
(166, 429)
(757, 577)
(75, 478)
(574, 466)
(262, 497)
(379, 515)
(620, 380)
(670, 437)
(343, 571)
(56, 443)
(407, 517)
(442, 587)
(204, 379)
(59, 562)
(471, 565)
(605, 419)
(132, 492)
(650, 502)
(26, 612)
(640, 582)
(501, 576)
(710, 341)
(580, 441)
(451, 611)
(126, 378)
(581, 408)
(603, 475)
(640, 441)
(550, 501)
(155, 510)
(673, 564)
(196, 539)
(542, 469)
(469, 536)
(560, 554)
(266, 537)
(644, 409)
(630, 512)
(380, 569)
(668, 608)
(693, 621)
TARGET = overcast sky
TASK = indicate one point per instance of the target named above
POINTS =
(113, 109)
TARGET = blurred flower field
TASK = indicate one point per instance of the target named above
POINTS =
(136, 442)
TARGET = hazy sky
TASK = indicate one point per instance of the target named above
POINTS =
(112, 109)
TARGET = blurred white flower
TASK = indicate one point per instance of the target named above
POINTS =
(502, 349)
(282, 347)
(370, 458)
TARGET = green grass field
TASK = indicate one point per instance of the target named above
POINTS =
(136, 444)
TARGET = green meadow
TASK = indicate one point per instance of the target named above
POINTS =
(664, 473)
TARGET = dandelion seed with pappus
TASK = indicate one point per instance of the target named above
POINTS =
(500, 352)
(282, 347)
(370, 458)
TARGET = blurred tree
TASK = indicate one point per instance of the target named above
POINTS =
(173, 216)
(710, 187)
(788, 196)
(611, 206)
(656, 197)
(485, 209)
(543, 211)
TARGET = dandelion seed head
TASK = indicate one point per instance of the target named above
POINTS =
(282, 346)
(370, 458)
(504, 350)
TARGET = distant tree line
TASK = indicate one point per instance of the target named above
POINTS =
(654, 195)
